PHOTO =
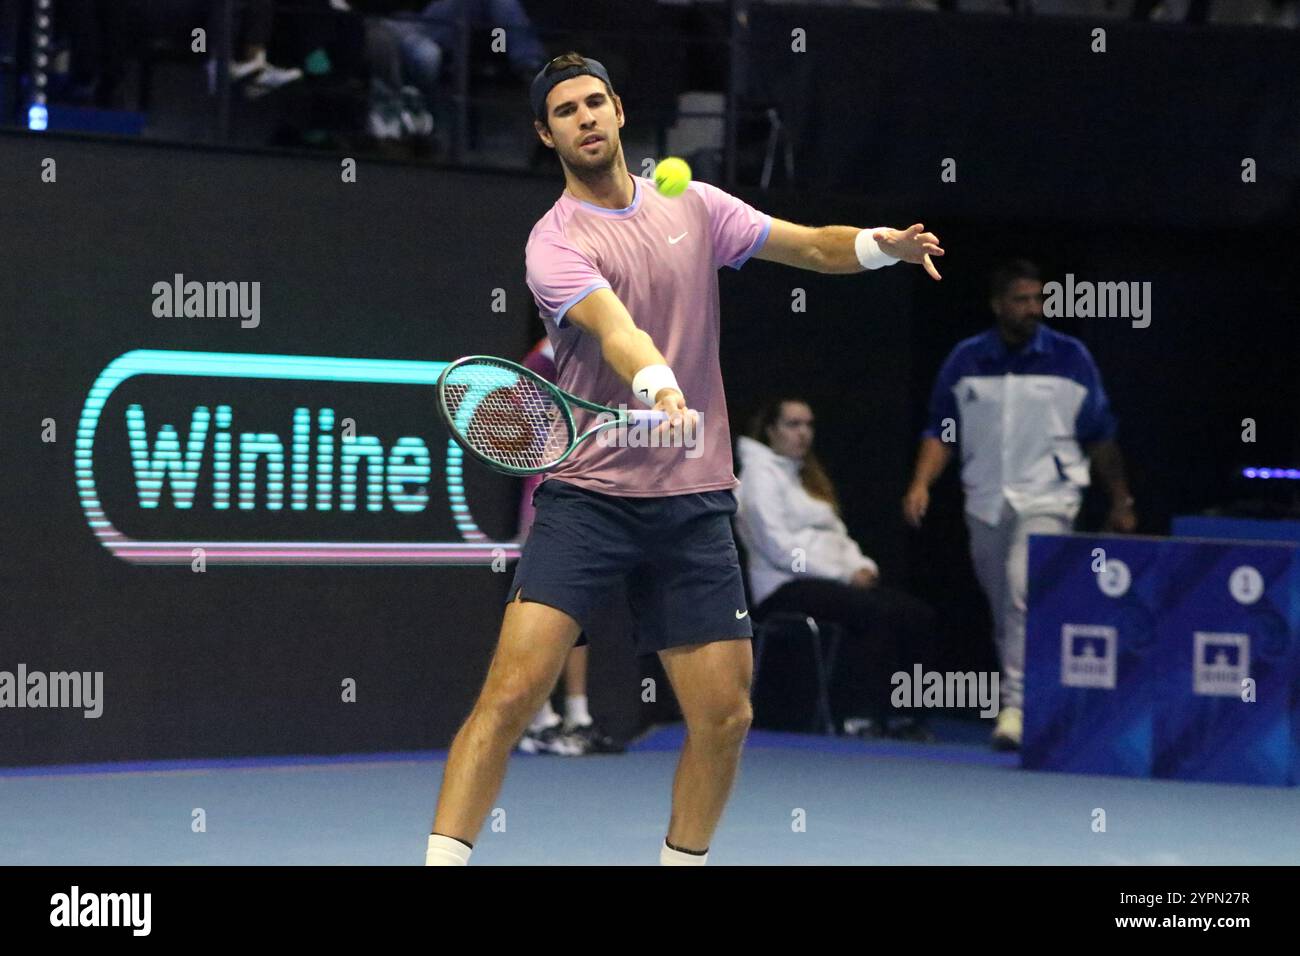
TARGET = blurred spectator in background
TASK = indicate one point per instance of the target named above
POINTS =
(408, 42)
(251, 22)
(398, 109)
(789, 516)
(576, 733)
(429, 40)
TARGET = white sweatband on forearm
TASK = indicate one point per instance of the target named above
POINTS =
(652, 379)
(869, 252)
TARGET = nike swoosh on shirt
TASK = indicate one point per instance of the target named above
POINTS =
(740, 615)
(673, 240)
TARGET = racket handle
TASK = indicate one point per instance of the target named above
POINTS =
(650, 416)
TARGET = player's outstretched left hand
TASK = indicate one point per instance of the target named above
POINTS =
(912, 244)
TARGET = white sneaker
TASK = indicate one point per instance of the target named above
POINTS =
(239, 69)
(382, 126)
(385, 119)
(416, 118)
(550, 740)
(1006, 735)
(271, 78)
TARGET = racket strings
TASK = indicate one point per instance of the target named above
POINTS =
(508, 417)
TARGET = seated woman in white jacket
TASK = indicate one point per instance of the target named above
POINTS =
(800, 558)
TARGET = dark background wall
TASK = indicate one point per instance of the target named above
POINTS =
(1150, 132)
(403, 265)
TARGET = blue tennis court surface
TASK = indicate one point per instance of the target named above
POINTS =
(858, 802)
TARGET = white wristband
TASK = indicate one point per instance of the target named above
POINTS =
(869, 252)
(652, 379)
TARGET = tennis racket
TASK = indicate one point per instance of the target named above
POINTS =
(511, 419)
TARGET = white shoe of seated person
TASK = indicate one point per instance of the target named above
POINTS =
(272, 78)
(239, 69)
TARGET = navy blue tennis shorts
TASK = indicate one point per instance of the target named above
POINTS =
(676, 554)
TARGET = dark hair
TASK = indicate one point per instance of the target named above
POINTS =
(812, 475)
(1008, 272)
(563, 62)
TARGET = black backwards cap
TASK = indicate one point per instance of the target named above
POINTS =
(543, 84)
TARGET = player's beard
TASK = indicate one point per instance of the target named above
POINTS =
(594, 170)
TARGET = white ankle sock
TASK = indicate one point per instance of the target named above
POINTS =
(575, 711)
(546, 717)
(670, 857)
(445, 851)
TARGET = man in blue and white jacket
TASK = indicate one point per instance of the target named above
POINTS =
(1027, 407)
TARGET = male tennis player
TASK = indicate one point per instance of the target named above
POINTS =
(626, 282)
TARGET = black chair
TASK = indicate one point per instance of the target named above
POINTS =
(811, 633)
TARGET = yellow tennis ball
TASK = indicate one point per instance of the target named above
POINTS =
(672, 176)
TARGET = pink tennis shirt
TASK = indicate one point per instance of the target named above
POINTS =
(661, 257)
